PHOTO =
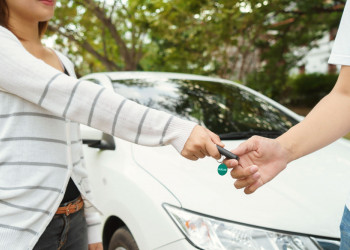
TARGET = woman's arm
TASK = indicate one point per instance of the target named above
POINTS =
(85, 102)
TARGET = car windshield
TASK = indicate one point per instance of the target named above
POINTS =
(225, 109)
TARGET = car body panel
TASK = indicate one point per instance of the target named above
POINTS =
(301, 193)
(121, 188)
(177, 245)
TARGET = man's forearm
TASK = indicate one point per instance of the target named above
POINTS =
(328, 121)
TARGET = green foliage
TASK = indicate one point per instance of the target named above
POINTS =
(255, 42)
(103, 35)
(294, 28)
(308, 89)
(268, 84)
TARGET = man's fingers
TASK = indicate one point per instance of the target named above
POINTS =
(231, 163)
(242, 173)
(242, 183)
(247, 146)
(252, 188)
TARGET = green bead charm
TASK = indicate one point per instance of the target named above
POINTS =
(222, 169)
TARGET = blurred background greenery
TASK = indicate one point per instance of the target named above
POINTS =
(254, 42)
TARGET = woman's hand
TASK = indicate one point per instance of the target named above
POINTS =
(202, 142)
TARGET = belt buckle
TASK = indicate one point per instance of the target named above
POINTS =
(72, 208)
(67, 211)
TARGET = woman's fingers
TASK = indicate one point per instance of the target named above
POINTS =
(200, 144)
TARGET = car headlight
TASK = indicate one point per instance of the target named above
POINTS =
(209, 233)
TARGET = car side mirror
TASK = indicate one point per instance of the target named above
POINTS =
(95, 138)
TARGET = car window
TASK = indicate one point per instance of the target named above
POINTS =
(222, 108)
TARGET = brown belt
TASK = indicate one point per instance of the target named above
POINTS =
(72, 207)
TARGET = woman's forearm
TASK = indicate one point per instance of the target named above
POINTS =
(85, 102)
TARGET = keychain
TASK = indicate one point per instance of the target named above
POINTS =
(222, 169)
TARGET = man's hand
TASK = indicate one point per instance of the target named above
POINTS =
(96, 246)
(261, 159)
(202, 142)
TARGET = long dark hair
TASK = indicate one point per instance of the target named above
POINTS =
(4, 18)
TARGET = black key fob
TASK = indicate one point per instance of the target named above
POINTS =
(227, 153)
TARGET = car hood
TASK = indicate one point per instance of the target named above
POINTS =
(308, 197)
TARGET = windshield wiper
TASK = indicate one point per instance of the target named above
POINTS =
(248, 134)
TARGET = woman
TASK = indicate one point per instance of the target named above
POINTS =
(45, 199)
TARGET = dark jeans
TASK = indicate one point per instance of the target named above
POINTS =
(65, 233)
(345, 230)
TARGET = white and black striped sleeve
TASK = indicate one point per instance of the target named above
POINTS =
(85, 102)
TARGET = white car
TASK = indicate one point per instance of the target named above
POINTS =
(152, 198)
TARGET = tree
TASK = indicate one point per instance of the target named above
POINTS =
(291, 26)
(204, 37)
(107, 36)
(252, 41)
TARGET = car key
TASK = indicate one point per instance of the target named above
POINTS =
(227, 153)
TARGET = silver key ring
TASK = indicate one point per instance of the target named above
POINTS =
(221, 160)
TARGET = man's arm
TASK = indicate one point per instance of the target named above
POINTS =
(328, 121)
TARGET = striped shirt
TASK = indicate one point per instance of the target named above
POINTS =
(41, 147)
